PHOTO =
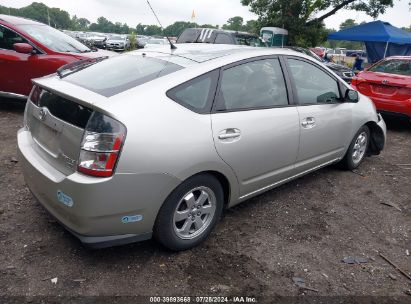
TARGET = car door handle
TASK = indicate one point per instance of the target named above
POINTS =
(308, 122)
(229, 133)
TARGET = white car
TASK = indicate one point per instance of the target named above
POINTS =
(118, 43)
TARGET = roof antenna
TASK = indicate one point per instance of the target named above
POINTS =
(172, 46)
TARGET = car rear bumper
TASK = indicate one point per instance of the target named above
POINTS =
(101, 212)
(392, 106)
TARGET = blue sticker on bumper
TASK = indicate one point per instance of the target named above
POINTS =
(65, 199)
(131, 218)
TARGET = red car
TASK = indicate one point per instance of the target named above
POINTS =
(388, 84)
(29, 49)
(318, 51)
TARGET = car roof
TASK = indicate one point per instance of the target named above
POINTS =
(399, 57)
(222, 31)
(18, 20)
(201, 52)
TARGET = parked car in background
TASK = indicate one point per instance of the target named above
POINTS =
(218, 36)
(118, 43)
(159, 141)
(29, 49)
(141, 41)
(339, 69)
(318, 51)
(96, 40)
(355, 53)
(388, 84)
(155, 42)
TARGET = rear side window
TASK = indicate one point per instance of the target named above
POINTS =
(196, 94)
(121, 73)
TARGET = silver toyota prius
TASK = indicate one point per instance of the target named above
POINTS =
(158, 142)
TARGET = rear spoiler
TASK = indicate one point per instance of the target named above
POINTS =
(76, 66)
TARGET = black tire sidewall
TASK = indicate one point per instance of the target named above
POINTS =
(164, 226)
(349, 163)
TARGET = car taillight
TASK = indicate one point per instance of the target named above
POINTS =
(35, 95)
(101, 145)
(356, 81)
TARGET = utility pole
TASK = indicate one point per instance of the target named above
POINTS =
(48, 15)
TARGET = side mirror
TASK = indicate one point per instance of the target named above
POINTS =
(23, 48)
(351, 96)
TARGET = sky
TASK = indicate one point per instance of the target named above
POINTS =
(213, 12)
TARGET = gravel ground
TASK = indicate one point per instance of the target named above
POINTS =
(302, 229)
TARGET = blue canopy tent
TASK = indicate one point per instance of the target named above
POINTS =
(381, 39)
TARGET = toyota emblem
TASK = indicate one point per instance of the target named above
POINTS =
(385, 81)
(42, 114)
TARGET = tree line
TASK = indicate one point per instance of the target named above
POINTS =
(301, 18)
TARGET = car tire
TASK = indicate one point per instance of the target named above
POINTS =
(357, 149)
(190, 212)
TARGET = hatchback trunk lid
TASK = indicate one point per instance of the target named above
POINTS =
(57, 126)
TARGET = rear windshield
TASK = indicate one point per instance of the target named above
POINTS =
(121, 73)
(393, 66)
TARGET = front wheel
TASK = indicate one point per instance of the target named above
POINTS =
(357, 149)
(190, 213)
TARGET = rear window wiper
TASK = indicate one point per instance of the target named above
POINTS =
(74, 67)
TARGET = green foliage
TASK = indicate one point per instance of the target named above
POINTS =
(237, 24)
(177, 28)
(234, 24)
(40, 12)
(150, 30)
(304, 18)
(133, 41)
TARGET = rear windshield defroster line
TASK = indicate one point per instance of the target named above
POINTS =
(121, 73)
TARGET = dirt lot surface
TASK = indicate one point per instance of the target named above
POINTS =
(302, 229)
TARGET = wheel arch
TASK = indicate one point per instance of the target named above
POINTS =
(223, 180)
(377, 138)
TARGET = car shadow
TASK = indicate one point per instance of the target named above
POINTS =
(12, 105)
(398, 124)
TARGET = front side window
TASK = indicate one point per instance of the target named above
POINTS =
(196, 94)
(256, 84)
(313, 85)
(393, 66)
(8, 38)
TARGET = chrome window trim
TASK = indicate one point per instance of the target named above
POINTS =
(12, 95)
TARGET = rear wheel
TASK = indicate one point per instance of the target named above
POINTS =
(190, 213)
(357, 149)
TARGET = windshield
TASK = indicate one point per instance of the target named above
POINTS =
(393, 66)
(250, 41)
(54, 39)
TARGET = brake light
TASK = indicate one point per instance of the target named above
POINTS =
(35, 95)
(101, 145)
(356, 81)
